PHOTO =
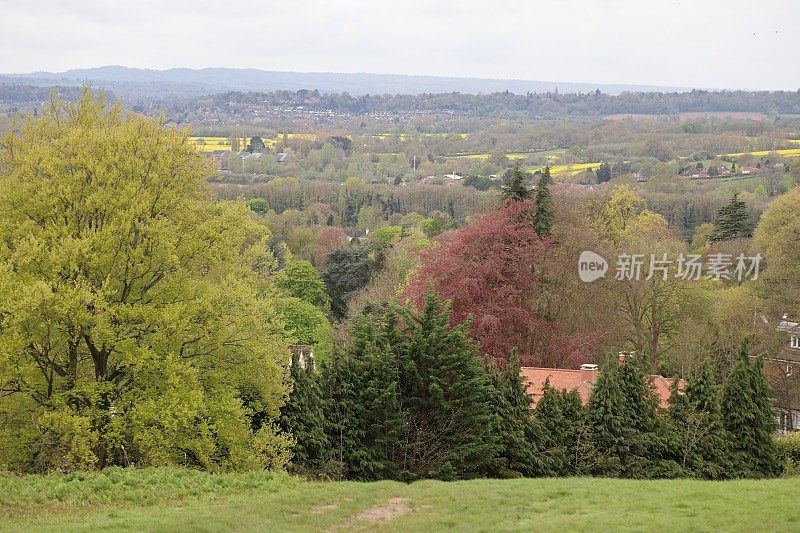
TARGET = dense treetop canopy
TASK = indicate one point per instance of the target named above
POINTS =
(130, 331)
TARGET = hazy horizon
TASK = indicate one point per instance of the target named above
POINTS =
(670, 43)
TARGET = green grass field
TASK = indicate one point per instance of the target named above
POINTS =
(180, 500)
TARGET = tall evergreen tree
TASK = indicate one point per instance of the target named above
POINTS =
(303, 416)
(365, 419)
(766, 454)
(731, 221)
(748, 419)
(519, 433)
(608, 422)
(342, 383)
(649, 446)
(412, 400)
(514, 188)
(700, 441)
(603, 172)
(544, 216)
(625, 427)
(561, 418)
(448, 397)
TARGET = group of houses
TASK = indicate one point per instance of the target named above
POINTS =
(717, 171)
(446, 180)
(784, 366)
(584, 380)
(782, 371)
(223, 159)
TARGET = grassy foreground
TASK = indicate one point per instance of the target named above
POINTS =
(173, 499)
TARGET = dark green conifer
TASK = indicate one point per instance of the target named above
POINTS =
(303, 416)
(448, 397)
(748, 419)
(731, 221)
(518, 431)
(561, 418)
(514, 188)
(544, 216)
(607, 419)
(696, 422)
(625, 429)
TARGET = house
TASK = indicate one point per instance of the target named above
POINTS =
(280, 157)
(304, 355)
(783, 374)
(355, 234)
(452, 179)
(792, 330)
(583, 380)
(748, 170)
(255, 156)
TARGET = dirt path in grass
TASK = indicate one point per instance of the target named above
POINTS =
(392, 509)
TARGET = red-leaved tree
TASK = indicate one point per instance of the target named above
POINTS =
(488, 270)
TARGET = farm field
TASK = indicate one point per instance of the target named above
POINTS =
(791, 152)
(572, 169)
(211, 144)
(176, 499)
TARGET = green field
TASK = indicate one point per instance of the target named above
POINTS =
(179, 500)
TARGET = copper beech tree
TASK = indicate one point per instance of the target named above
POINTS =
(488, 270)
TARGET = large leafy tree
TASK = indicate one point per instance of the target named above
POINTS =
(130, 330)
(488, 270)
(777, 235)
(301, 280)
(306, 324)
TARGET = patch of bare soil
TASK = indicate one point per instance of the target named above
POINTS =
(322, 508)
(392, 509)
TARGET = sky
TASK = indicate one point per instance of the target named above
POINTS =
(687, 43)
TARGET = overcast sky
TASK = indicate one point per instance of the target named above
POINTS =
(695, 43)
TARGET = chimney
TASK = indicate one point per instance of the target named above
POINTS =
(589, 373)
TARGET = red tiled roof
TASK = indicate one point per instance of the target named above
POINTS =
(566, 379)
(560, 379)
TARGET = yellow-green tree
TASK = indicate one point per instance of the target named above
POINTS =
(130, 331)
(777, 235)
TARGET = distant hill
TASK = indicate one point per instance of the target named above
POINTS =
(184, 81)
